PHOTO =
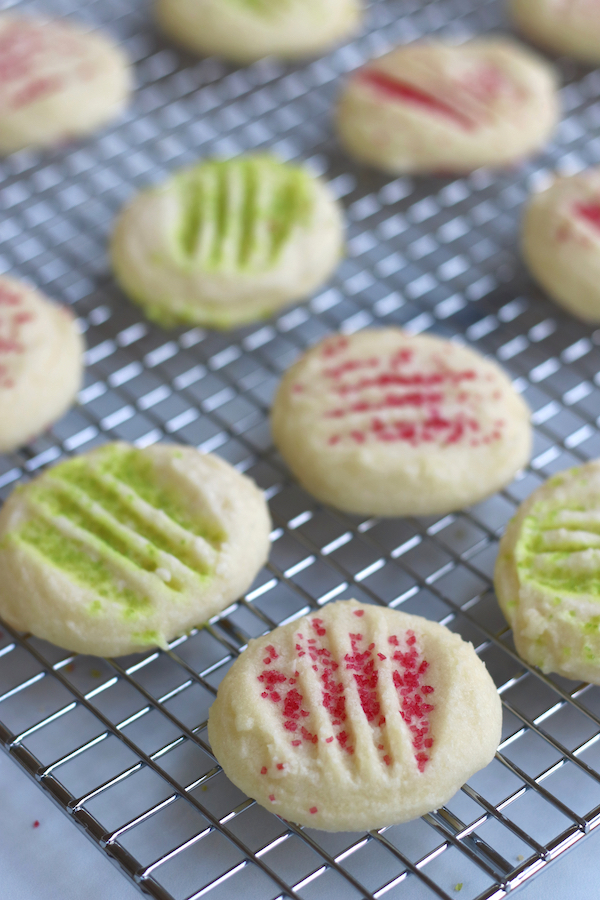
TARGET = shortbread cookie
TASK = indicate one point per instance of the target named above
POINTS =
(547, 575)
(390, 424)
(563, 26)
(227, 242)
(246, 30)
(41, 362)
(444, 108)
(561, 242)
(57, 82)
(122, 549)
(355, 717)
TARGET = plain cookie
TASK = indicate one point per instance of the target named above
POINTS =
(563, 26)
(227, 242)
(547, 575)
(121, 549)
(57, 82)
(438, 107)
(41, 363)
(355, 717)
(246, 30)
(561, 242)
(387, 423)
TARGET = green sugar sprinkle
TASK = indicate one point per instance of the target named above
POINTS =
(237, 215)
(96, 498)
(262, 7)
(559, 551)
(70, 557)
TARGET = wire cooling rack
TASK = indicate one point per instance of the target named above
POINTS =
(121, 745)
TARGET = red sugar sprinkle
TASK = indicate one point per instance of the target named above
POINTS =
(413, 709)
(36, 824)
(313, 810)
(359, 612)
(403, 92)
(366, 676)
(408, 674)
(438, 405)
(272, 797)
(264, 770)
(334, 346)
(590, 212)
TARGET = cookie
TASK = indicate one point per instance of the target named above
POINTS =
(246, 30)
(438, 107)
(122, 549)
(355, 717)
(227, 242)
(41, 363)
(546, 575)
(390, 424)
(562, 26)
(57, 82)
(561, 242)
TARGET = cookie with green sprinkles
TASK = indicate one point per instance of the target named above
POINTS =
(122, 549)
(246, 30)
(226, 242)
(547, 575)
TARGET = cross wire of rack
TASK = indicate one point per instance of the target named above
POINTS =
(121, 745)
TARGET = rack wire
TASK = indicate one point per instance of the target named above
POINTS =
(121, 745)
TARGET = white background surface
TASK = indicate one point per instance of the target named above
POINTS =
(56, 862)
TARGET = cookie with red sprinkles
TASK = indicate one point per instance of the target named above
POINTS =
(57, 81)
(432, 106)
(41, 362)
(561, 242)
(387, 423)
(355, 717)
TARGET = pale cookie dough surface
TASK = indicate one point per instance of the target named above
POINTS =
(438, 107)
(246, 30)
(41, 363)
(547, 575)
(57, 81)
(123, 549)
(561, 242)
(563, 26)
(355, 717)
(227, 242)
(386, 423)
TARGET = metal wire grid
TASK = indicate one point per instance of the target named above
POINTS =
(121, 744)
